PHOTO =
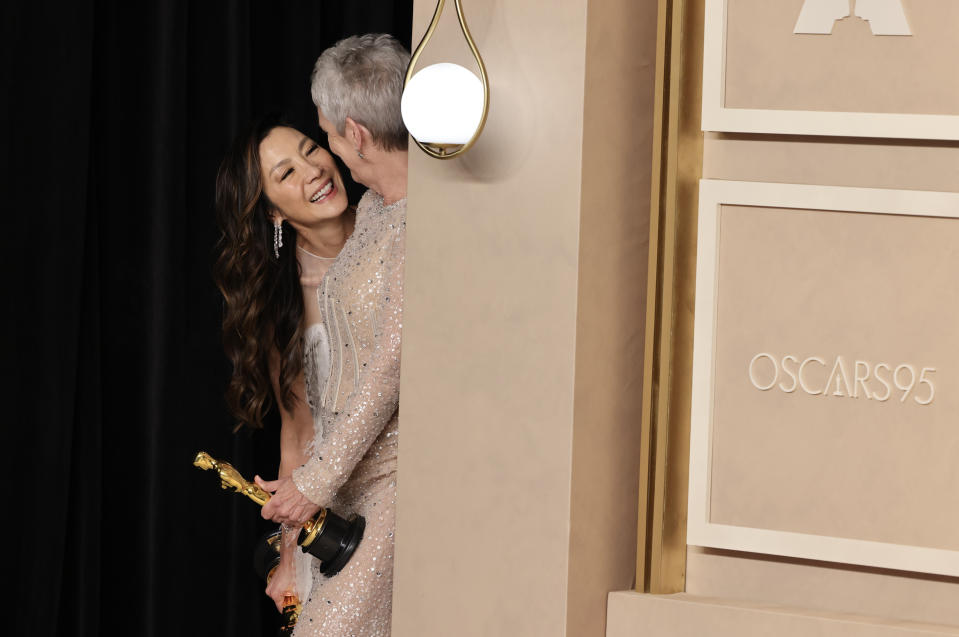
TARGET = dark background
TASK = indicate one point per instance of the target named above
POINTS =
(116, 114)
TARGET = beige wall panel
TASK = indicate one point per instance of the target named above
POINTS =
(823, 586)
(531, 241)
(488, 339)
(614, 233)
(863, 460)
(833, 161)
(852, 70)
(684, 615)
(873, 163)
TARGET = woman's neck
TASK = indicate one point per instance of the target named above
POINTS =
(390, 175)
(326, 238)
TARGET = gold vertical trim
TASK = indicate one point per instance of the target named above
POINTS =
(677, 167)
(650, 360)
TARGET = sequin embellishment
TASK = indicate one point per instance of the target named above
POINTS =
(353, 463)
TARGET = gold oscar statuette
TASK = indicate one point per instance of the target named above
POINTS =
(328, 537)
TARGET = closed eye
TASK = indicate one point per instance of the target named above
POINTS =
(312, 148)
(286, 173)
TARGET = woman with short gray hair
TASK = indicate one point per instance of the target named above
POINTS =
(357, 85)
(361, 79)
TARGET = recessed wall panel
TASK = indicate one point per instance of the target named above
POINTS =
(872, 68)
(826, 381)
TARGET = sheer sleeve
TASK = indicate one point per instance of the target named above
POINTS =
(374, 400)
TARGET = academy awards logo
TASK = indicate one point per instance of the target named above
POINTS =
(885, 17)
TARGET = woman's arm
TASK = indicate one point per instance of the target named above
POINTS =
(361, 420)
(296, 432)
(296, 426)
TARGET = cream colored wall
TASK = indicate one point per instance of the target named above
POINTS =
(833, 161)
(523, 322)
(734, 593)
(873, 163)
(614, 242)
(685, 615)
(823, 586)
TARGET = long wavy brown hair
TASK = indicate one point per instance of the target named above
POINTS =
(263, 301)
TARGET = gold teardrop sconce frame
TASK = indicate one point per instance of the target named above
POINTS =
(442, 151)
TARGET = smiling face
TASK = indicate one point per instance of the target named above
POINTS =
(300, 178)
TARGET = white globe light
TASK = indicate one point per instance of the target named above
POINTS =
(443, 104)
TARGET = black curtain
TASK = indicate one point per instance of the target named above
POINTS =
(117, 114)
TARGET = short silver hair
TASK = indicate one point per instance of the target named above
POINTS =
(362, 77)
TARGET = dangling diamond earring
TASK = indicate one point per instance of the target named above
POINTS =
(277, 238)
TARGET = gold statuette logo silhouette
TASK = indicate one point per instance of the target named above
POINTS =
(885, 17)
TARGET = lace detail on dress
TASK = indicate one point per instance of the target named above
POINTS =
(316, 370)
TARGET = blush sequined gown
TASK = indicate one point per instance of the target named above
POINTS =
(352, 468)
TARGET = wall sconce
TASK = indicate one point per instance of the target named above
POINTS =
(445, 105)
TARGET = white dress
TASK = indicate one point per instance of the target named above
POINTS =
(316, 365)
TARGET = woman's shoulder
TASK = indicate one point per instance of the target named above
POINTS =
(368, 201)
(372, 203)
(378, 219)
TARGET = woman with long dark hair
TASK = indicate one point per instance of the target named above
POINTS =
(283, 213)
